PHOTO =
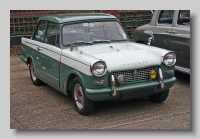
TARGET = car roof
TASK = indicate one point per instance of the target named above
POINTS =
(64, 18)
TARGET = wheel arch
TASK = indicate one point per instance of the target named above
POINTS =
(70, 76)
(30, 58)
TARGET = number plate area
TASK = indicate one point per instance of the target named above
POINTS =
(136, 93)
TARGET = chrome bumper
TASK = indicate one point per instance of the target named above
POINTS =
(161, 86)
(113, 87)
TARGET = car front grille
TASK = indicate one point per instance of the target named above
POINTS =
(127, 74)
(139, 74)
(143, 74)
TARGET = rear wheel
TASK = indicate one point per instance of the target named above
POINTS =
(159, 97)
(82, 104)
(34, 79)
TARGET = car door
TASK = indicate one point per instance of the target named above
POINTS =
(37, 42)
(163, 28)
(50, 53)
(180, 39)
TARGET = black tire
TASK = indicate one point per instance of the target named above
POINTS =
(83, 105)
(159, 97)
(34, 79)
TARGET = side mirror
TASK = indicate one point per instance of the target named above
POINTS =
(72, 47)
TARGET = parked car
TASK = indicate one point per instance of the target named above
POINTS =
(168, 29)
(89, 57)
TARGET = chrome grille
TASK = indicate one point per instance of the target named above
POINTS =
(143, 74)
(127, 74)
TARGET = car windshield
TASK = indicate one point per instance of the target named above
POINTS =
(92, 32)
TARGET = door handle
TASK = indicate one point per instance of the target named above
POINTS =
(39, 48)
(169, 31)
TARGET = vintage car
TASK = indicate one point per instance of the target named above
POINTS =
(168, 29)
(89, 57)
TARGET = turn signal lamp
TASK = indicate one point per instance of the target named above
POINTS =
(152, 74)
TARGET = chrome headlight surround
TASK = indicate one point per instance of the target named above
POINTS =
(169, 58)
(98, 68)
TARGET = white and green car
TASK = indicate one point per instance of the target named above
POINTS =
(89, 57)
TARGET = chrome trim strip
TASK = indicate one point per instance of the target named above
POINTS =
(171, 72)
(113, 88)
(101, 82)
(75, 60)
(182, 69)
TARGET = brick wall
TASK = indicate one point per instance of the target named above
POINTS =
(15, 49)
(116, 13)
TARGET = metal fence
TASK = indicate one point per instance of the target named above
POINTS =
(23, 23)
(130, 20)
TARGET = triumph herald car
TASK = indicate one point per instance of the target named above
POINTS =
(168, 29)
(89, 57)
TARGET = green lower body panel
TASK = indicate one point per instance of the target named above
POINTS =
(23, 58)
(137, 90)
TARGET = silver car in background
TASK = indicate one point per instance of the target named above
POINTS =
(168, 29)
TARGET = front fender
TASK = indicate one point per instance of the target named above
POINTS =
(75, 73)
(143, 36)
(66, 76)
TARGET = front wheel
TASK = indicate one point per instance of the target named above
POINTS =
(82, 104)
(159, 97)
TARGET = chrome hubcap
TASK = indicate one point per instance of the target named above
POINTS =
(78, 96)
(32, 72)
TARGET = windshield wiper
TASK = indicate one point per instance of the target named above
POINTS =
(122, 40)
(80, 42)
(100, 41)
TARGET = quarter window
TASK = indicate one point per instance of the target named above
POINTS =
(166, 17)
(39, 36)
(184, 17)
(52, 36)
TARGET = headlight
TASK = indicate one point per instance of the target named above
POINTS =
(98, 68)
(169, 59)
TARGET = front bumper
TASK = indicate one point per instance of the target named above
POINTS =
(105, 93)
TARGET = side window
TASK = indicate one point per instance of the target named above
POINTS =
(166, 17)
(52, 35)
(39, 36)
(184, 17)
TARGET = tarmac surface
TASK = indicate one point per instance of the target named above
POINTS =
(42, 107)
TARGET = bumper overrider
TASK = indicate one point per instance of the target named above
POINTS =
(130, 90)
